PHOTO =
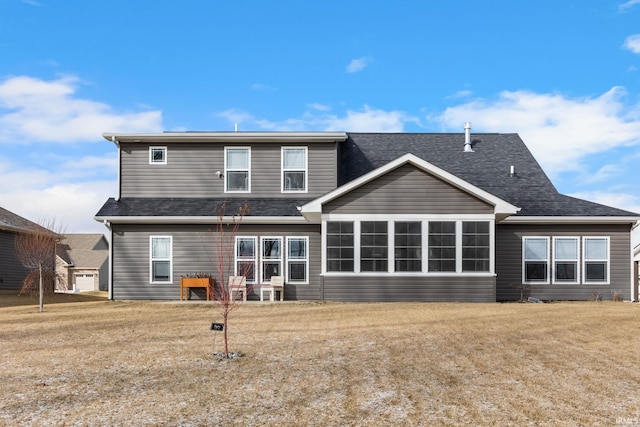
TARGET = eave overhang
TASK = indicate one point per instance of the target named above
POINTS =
(632, 220)
(242, 137)
(200, 219)
(502, 209)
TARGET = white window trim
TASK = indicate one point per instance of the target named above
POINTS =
(151, 161)
(424, 219)
(524, 260)
(305, 170)
(306, 260)
(248, 170)
(169, 258)
(254, 259)
(607, 259)
(270, 260)
(554, 258)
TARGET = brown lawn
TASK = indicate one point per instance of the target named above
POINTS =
(88, 361)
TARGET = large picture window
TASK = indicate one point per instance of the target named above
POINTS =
(297, 260)
(271, 258)
(294, 169)
(374, 248)
(565, 260)
(536, 260)
(340, 246)
(476, 246)
(245, 263)
(596, 260)
(237, 173)
(408, 246)
(160, 259)
(442, 246)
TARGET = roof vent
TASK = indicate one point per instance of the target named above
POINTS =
(467, 138)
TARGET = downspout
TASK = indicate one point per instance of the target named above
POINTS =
(110, 280)
(117, 143)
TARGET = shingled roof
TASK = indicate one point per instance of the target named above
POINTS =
(12, 222)
(487, 167)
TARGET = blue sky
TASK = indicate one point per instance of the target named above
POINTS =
(565, 75)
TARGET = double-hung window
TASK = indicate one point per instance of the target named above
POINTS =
(237, 169)
(536, 260)
(408, 246)
(271, 257)
(157, 155)
(374, 246)
(297, 260)
(245, 258)
(565, 260)
(476, 246)
(160, 266)
(340, 246)
(294, 169)
(442, 246)
(596, 259)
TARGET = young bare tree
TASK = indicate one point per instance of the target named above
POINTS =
(36, 250)
(225, 245)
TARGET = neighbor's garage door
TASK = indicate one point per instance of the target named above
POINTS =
(84, 282)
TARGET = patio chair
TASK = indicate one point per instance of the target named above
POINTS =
(238, 284)
(276, 285)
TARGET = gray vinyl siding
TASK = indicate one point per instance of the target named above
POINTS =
(509, 262)
(409, 288)
(407, 190)
(191, 170)
(194, 250)
(12, 273)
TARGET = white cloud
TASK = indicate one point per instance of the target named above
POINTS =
(632, 43)
(320, 118)
(358, 64)
(560, 131)
(33, 110)
(461, 94)
(627, 5)
(318, 107)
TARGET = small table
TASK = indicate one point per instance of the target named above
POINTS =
(195, 282)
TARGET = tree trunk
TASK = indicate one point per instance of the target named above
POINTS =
(226, 342)
(41, 288)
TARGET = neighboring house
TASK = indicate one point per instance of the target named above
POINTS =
(82, 262)
(360, 217)
(12, 272)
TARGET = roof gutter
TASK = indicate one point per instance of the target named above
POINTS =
(571, 220)
(200, 219)
(243, 137)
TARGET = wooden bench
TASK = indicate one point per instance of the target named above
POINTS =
(195, 282)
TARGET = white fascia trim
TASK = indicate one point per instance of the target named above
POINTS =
(200, 220)
(227, 137)
(500, 206)
(570, 220)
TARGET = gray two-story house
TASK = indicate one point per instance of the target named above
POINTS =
(360, 217)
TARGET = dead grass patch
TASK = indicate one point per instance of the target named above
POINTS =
(141, 363)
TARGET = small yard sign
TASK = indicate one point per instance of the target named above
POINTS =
(217, 326)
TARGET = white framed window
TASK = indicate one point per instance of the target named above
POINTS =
(408, 246)
(294, 169)
(157, 155)
(237, 169)
(535, 260)
(374, 246)
(340, 246)
(565, 260)
(246, 258)
(160, 259)
(476, 246)
(270, 258)
(297, 260)
(442, 246)
(595, 263)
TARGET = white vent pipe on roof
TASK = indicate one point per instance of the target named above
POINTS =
(467, 138)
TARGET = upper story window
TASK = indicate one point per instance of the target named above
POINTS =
(294, 169)
(237, 169)
(157, 155)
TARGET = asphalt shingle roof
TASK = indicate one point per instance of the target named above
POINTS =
(13, 222)
(488, 168)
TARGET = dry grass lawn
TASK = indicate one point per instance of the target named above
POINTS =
(88, 361)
